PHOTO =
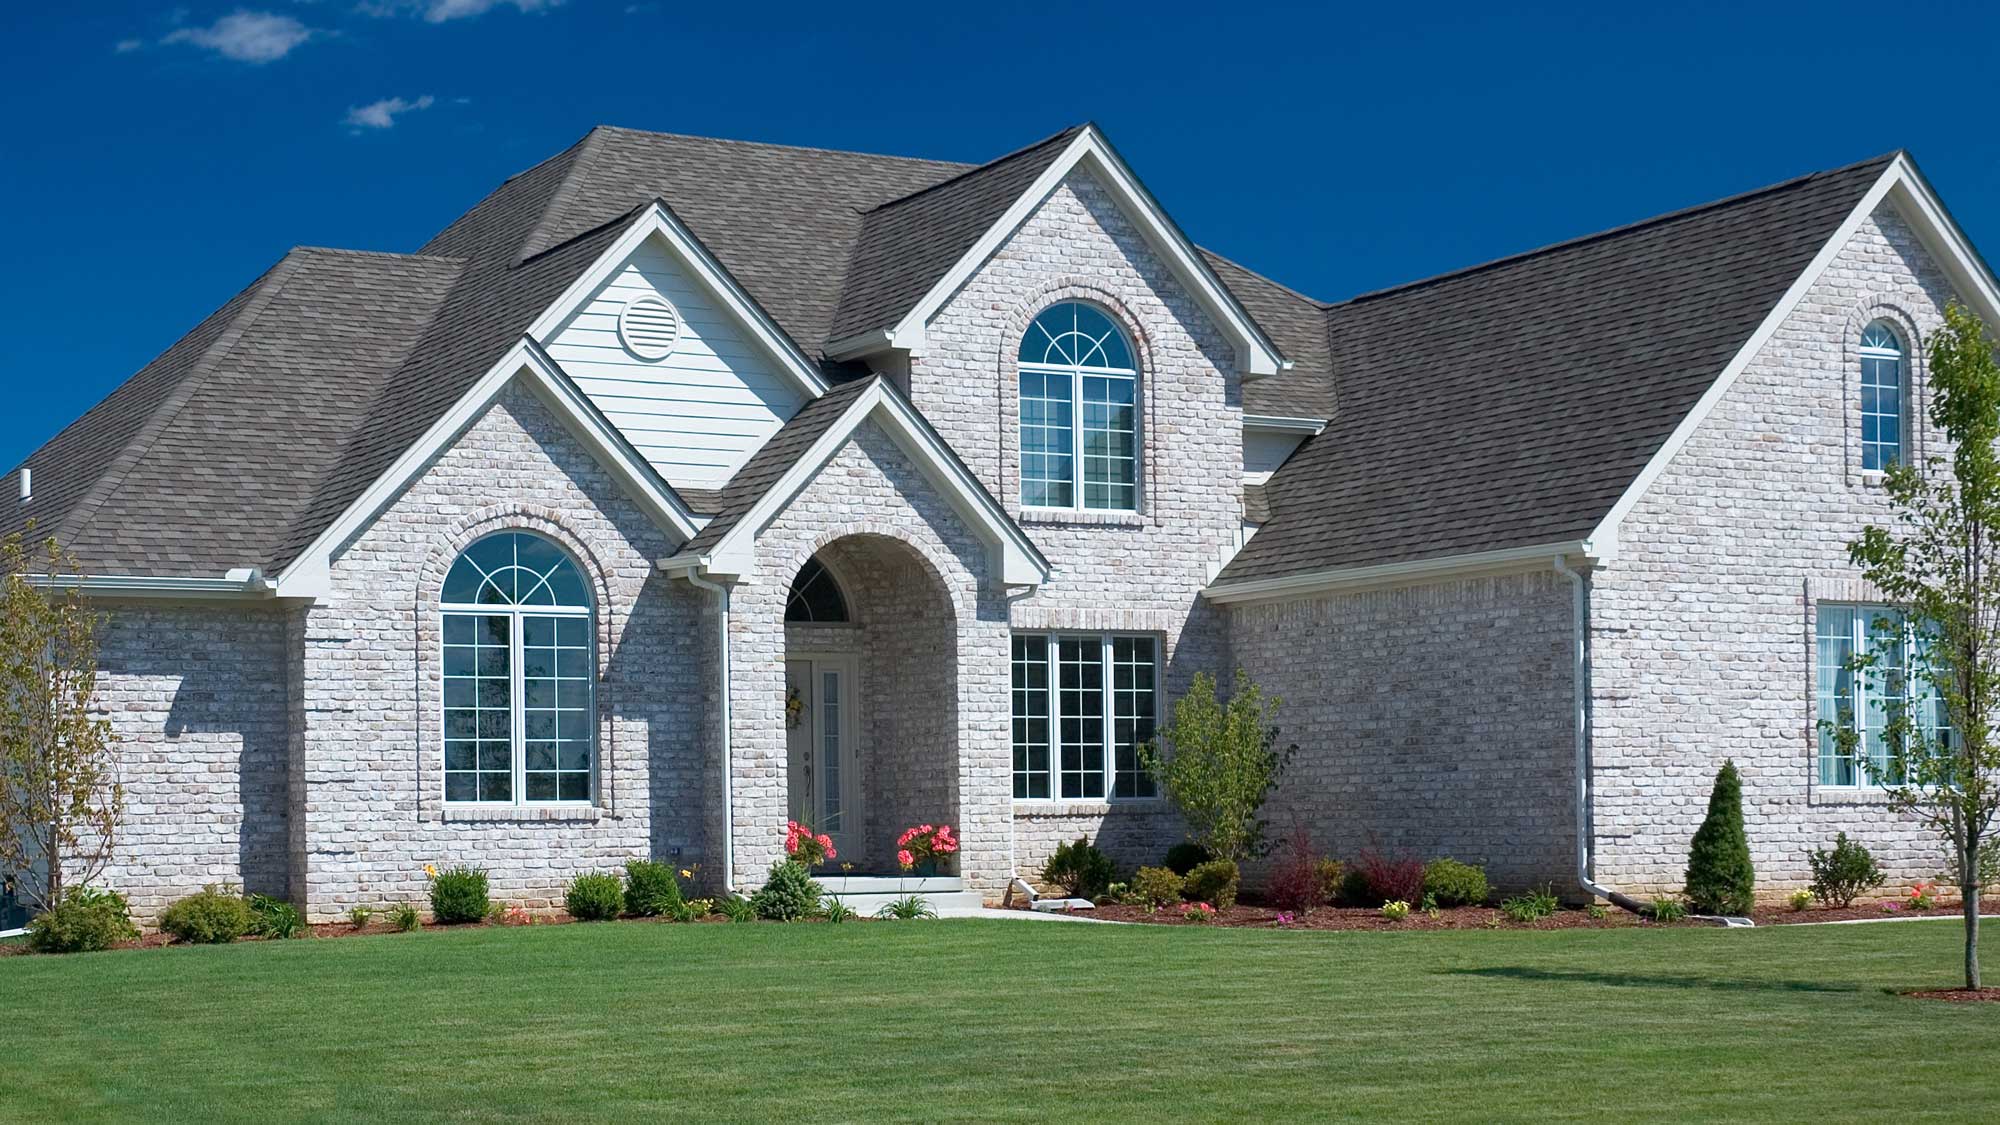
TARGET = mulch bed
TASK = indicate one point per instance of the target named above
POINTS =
(1364, 918)
(1786, 916)
(1958, 995)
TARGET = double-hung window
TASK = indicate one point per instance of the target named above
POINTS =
(1083, 704)
(1079, 413)
(1865, 700)
(518, 670)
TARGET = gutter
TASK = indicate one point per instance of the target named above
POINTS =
(246, 582)
(722, 677)
(1580, 662)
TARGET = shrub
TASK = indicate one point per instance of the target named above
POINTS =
(458, 894)
(1157, 886)
(1451, 883)
(651, 889)
(909, 908)
(1214, 882)
(1225, 762)
(1332, 874)
(1390, 878)
(1720, 879)
(1531, 906)
(216, 915)
(1353, 888)
(86, 919)
(1800, 900)
(1198, 912)
(1079, 869)
(788, 894)
(1666, 908)
(275, 918)
(404, 918)
(736, 908)
(595, 896)
(360, 916)
(1596, 912)
(1294, 883)
(1396, 911)
(1185, 857)
(1844, 874)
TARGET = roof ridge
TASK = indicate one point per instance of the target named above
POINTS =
(558, 201)
(1271, 281)
(778, 145)
(390, 254)
(267, 286)
(977, 168)
(1608, 232)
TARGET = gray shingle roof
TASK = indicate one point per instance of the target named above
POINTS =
(772, 460)
(1510, 404)
(1297, 324)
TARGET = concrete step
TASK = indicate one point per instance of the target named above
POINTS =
(869, 893)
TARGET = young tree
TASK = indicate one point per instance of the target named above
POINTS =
(60, 800)
(1223, 761)
(1720, 878)
(1938, 568)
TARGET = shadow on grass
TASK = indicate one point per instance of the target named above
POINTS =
(1650, 980)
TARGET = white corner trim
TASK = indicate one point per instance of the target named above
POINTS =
(1276, 423)
(1902, 187)
(735, 554)
(241, 583)
(709, 273)
(309, 575)
(1353, 579)
(1256, 355)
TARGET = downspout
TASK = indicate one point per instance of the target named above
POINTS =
(1013, 853)
(728, 772)
(1580, 665)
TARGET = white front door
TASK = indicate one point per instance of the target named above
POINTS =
(820, 723)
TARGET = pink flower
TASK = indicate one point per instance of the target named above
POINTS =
(905, 858)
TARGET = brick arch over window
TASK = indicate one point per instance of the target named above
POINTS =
(1007, 372)
(1916, 377)
(927, 556)
(607, 621)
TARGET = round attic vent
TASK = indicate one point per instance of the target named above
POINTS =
(650, 327)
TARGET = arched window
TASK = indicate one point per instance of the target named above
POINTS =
(1882, 396)
(1079, 422)
(815, 596)
(518, 671)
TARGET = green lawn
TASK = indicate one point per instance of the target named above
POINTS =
(1001, 1019)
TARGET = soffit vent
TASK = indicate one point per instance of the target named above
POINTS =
(649, 327)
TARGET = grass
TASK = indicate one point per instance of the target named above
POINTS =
(1003, 1019)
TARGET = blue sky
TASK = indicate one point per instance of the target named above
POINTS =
(158, 157)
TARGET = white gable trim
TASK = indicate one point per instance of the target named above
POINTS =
(1902, 187)
(309, 575)
(1354, 579)
(734, 556)
(1256, 355)
(708, 273)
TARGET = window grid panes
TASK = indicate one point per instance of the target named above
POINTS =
(1864, 702)
(829, 763)
(1881, 397)
(1078, 413)
(519, 671)
(1098, 696)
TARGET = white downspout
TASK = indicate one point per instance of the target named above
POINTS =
(728, 771)
(1580, 667)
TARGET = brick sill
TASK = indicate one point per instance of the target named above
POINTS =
(1058, 810)
(1065, 517)
(1832, 796)
(519, 813)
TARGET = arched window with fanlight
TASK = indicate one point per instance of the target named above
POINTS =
(1079, 413)
(518, 673)
(1883, 396)
(815, 597)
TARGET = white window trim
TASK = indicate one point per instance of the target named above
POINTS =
(1076, 376)
(517, 726)
(1905, 396)
(1859, 640)
(1107, 713)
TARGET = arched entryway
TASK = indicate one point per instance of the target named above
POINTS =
(871, 697)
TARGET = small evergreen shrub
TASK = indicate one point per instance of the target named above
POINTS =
(275, 918)
(1354, 889)
(1451, 883)
(458, 894)
(87, 919)
(1844, 874)
(1080, 870)
(1720, 879)
(594, 896)
(789, 894)
(1531, 906)
(1157, 886)
(1391, 878)
(651, 889)
(1185, 857)
(1332, 875)
(214, 916)
(1214, 882)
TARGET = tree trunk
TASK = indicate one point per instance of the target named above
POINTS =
(1969, 900)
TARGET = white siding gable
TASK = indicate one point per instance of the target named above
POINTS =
(696, 415)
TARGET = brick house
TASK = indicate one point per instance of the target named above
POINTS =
(684, 486)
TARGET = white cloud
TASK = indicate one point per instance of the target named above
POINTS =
(127, 46)
(382, 114)
(444, 11)
(252, 37)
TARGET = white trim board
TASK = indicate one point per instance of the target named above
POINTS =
(702, 267)
(734, 556)
(1256, 355)
(1354, 579)
(309, 575)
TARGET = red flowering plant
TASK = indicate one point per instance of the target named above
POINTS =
(805, 846)
(1921, 897)
(923, 844)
